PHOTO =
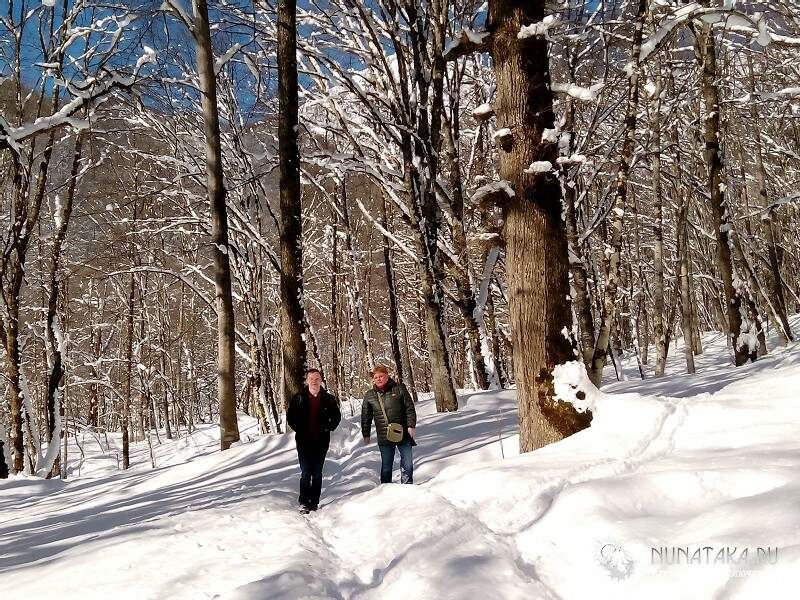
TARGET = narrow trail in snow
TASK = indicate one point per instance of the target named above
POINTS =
(351, 462)
(667, 462)
(359, 464)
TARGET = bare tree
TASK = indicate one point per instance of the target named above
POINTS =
(215, 184)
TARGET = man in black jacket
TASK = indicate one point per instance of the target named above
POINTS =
(313, 414)
(389, 402)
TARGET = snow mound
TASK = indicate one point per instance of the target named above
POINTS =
(683, 487)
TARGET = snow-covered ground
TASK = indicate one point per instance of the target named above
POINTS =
(707, 465)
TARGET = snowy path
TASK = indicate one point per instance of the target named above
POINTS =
(712, 460)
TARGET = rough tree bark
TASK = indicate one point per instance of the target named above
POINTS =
(537, 265)
(55, 337)
(27, 208)
(422, 171)
(291, 275)
(226, 355)
(706, 53)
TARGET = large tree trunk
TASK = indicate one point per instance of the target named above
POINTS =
(429, 129)
(226, 340)
(537, 265)
(26, 210)
(54, 334)
(291, 275)
(440, 370)
(26, 215)
(722, 219)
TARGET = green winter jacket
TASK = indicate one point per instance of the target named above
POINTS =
(399, 408)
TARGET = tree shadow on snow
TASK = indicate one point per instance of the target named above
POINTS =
(711, 377)
(109, 508)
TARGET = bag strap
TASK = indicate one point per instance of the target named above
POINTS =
(380, 401)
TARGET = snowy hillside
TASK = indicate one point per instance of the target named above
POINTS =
(709, 463)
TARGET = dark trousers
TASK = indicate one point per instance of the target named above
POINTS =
(312, 459)
(387, 461)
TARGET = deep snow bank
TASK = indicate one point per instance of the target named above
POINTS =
(670, 467)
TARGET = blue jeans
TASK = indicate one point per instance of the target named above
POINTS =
(387, 461)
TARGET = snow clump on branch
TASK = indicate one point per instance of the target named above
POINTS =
(539, 166)
(540, 29)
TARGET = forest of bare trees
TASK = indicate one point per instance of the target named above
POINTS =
(201, 199)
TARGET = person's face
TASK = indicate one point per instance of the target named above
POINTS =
(314, 382)
(380, 378)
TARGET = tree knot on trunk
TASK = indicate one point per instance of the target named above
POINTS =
(562, 416)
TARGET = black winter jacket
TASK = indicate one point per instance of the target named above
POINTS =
(399, 408)
(297, 416)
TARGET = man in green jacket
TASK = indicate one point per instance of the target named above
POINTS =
(389, 402)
